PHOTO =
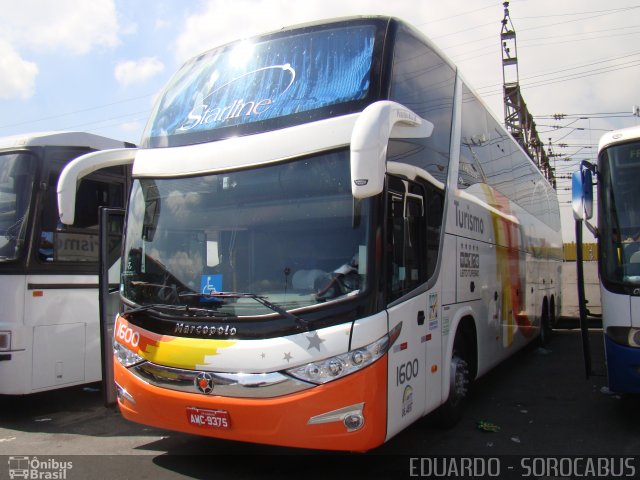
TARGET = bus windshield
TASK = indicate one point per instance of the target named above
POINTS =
(16, 184)
(290, 233)
(619, 169)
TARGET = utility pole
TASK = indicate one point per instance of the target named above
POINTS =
(552, 155)
(517, 119)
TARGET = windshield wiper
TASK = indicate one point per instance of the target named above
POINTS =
(185, 309)
(154, 306)
(258, 298)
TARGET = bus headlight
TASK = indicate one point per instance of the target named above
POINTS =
(627, 336)
(125, 356)
(332, 368)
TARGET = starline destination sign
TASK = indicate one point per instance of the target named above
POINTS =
(215, 109)
(264, 79)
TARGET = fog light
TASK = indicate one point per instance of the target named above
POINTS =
(124, 395)
(627, 336)
(352, 417)
(353, 422)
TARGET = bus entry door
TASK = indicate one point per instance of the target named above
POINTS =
(111, 230)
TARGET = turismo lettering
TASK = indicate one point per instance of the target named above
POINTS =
(468, 221)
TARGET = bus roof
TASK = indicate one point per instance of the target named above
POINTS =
(618, 136)
(67, 139)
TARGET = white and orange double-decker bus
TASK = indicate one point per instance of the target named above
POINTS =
(328, 237)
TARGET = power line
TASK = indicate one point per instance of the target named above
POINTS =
(491, 5)
(527, 45)
(572, 14)
(606, 13)
(597, 62)
(567, 78)
(575, 67)
(75, 112)
(555, 128)
(469, 55)
(465, 30)
(611, 12)
(559, 116)
(586, 32)
(589, 73)
(118, 117)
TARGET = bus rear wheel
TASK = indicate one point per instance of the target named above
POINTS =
(545, 326)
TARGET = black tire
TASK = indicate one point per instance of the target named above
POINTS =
(450, 413)
(553, 320)
(545, 327)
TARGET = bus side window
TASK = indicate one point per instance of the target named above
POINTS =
(78, 243)
(422, 81)
(93, 194)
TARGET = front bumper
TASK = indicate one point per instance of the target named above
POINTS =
(310, 418)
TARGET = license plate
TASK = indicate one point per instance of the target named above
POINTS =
(208, 418)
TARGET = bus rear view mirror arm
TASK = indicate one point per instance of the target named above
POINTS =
(376, 124)
(80, 168)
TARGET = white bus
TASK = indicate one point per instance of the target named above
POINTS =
(618, 233)
(49, 335)
(328, 237)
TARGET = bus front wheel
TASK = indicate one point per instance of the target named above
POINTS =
(459, 381)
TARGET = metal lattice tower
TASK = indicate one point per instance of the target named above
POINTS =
(517, 119)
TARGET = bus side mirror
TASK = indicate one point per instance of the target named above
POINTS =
(79, 168)
(582, 192)
(376, 124)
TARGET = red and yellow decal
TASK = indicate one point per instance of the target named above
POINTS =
(513, 313)
(186, 353)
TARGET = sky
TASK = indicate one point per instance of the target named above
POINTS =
(99, 65)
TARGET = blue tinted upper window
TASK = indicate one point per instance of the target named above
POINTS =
(424, 82)
(257, 81)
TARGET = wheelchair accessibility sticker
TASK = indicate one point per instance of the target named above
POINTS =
(210, 284)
